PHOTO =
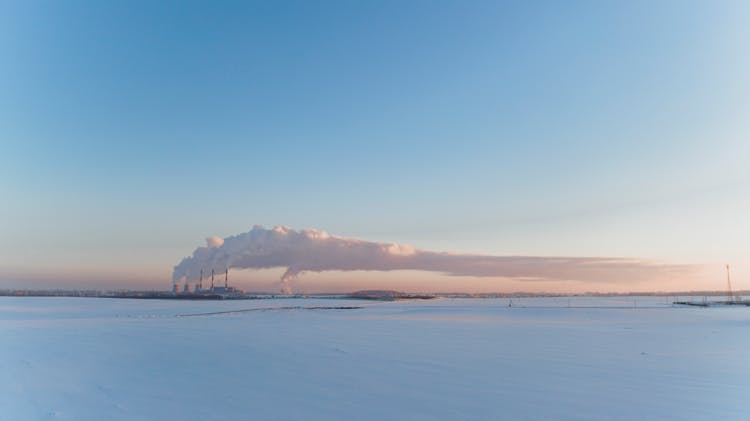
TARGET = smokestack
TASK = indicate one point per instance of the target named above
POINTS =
(212, 279)
(226, 279)
(200, 283)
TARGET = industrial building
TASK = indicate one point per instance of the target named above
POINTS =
(212, 292)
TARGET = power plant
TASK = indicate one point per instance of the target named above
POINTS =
(212, 293)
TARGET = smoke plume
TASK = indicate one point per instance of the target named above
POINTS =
(317, 251)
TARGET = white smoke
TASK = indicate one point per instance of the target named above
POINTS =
(317, 251)
(214, 242)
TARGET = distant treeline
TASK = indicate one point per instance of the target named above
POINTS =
(591, 294)
(365, 294)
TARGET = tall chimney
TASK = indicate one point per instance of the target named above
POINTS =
(226, 279)
(200, 283)
(212, 279)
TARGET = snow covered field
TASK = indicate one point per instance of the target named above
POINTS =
(95, 359)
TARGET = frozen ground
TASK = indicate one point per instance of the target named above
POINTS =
(95, 359)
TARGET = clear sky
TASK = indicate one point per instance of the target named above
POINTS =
(130, 131)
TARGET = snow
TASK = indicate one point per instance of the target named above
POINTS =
(583, 358)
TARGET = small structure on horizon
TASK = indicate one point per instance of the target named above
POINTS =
(731, 298)
(730, 295)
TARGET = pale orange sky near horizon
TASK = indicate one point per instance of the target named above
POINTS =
(711, 277)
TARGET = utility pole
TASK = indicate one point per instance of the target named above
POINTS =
(730, 296)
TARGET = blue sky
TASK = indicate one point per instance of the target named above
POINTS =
(130, 131)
